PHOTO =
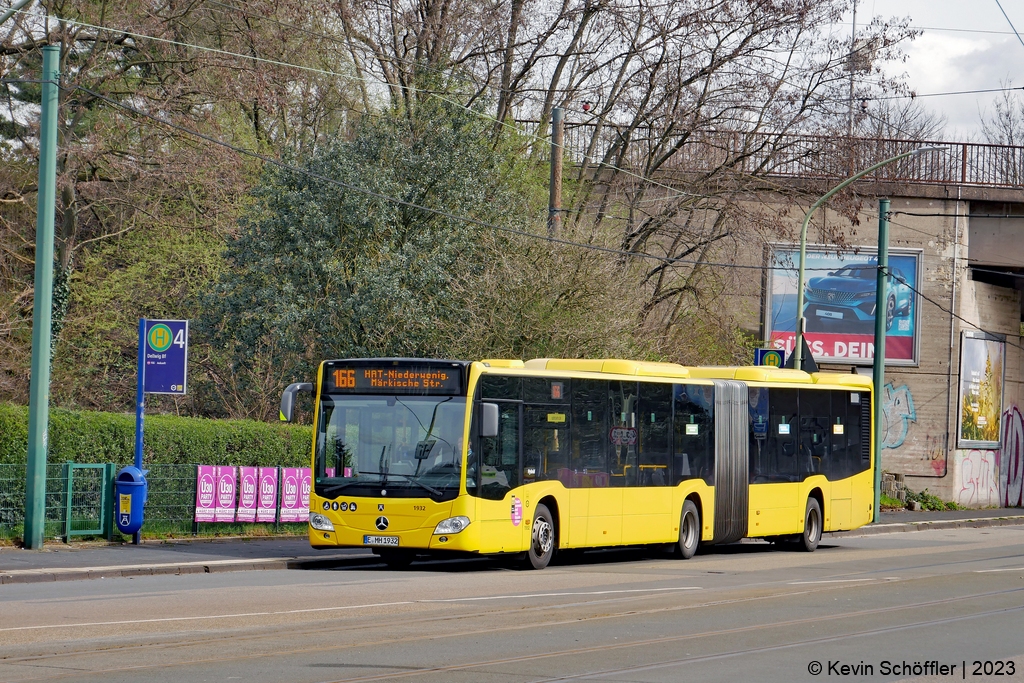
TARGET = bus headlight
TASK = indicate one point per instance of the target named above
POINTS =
(320, 523)
(452, 525)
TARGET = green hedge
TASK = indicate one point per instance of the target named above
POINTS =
(92, 437)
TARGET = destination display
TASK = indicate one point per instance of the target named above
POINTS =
(393, 379)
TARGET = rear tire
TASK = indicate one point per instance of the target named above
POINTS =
(689, 530)
(542, 539)
(812, 527)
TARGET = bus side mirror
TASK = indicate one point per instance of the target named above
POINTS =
(488, 420)
(288, 399)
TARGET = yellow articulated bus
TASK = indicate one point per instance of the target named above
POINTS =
(426, 457)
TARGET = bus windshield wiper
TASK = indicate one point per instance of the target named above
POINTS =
(339, 487)
(419, 483)
(384, 465)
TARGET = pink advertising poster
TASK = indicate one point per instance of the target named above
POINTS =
(206, 498)
(266, 506)
(226, 490)
(306, 486)
(248, 483)
(292, 509)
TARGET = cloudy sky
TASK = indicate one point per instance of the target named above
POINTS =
(965, 46)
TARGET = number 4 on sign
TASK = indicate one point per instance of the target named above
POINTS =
(179, 339)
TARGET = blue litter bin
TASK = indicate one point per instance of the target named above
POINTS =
(130, 491)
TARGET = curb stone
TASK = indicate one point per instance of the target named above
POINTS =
(338, 561)
(44, 575)
(902, 527)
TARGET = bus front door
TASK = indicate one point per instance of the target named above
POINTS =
(503, 506)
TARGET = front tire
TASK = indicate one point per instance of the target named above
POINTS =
(542, 539)
(890, 311)
(812, 526)
(689, 530)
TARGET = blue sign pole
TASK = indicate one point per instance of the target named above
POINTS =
(140, 405)
(140, 396)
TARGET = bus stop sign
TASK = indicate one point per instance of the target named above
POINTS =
(776, 358)
(166, 355)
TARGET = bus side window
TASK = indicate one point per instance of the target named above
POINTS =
(546, 428)
(838, 466)
(782, 444)
(757, 402)
(622, 434)
(815, 430)
(693, 433)
(859, 443)
(655, 418)
(588, 462)
(500, 387)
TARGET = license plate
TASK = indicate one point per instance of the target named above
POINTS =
(835, 315)
(380, 540)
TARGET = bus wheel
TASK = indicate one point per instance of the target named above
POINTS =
(542, 539)
(812, 526)
(689, 530)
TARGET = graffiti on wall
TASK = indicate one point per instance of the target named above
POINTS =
(1011, 459)
(977, 485)
(898, 412)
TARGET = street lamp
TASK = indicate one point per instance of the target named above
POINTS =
(801, 323)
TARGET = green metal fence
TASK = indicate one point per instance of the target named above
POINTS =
(87, 491)
(12, 500)
(79, 503)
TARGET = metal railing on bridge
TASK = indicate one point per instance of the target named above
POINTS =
(648, 151)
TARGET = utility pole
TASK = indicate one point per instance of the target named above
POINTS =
(42, 303)
(555, 186)
(881, 303)
(850, 62)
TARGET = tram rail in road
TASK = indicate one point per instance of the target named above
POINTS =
(745, 612)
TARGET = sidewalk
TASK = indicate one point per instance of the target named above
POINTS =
(60, 562)
(922, 520)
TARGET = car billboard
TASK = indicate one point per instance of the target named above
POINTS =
(839, 303)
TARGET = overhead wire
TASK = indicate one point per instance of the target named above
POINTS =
(326, 72)
(419, 207)
(265, 158)
(889, 273)
(1010, 22)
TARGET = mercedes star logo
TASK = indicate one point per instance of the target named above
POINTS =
(382, 523)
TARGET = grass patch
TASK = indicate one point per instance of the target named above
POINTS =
(931, 502)
(888, 503)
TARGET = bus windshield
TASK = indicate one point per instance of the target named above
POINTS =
(408, 446)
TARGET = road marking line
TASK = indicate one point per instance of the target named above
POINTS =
(1008, 569)
(209, 616)
(556, 595)
(808, 583)
(343, 607)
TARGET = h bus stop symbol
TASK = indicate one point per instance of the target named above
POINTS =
(775, 358)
